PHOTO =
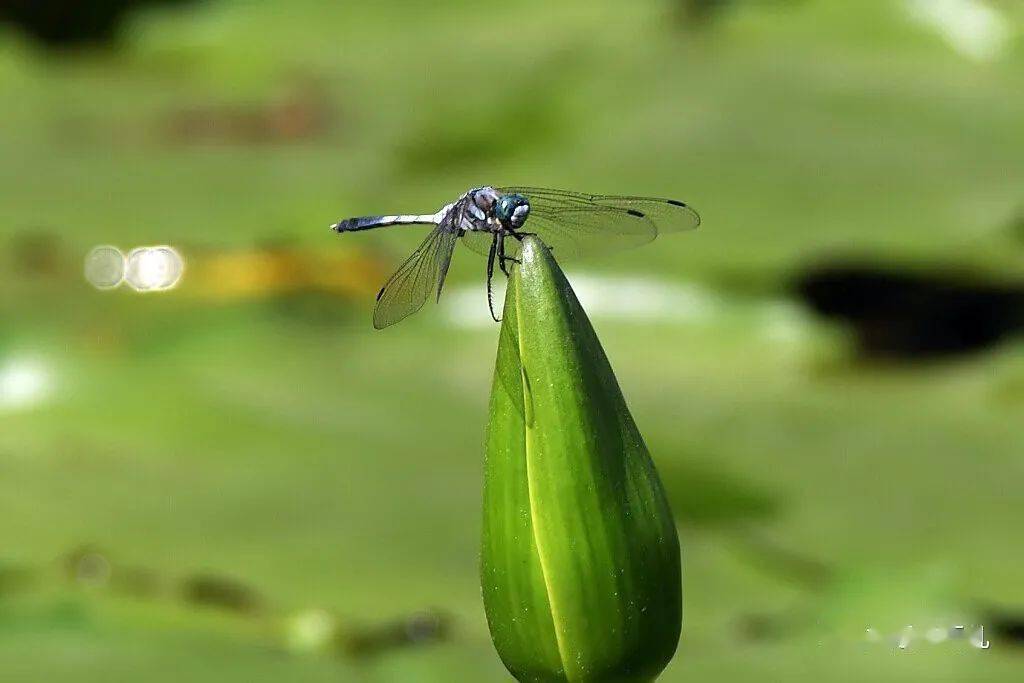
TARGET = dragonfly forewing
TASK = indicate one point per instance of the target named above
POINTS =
(576, 223)
(422, 273)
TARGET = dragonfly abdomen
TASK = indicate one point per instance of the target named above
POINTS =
(370, 222)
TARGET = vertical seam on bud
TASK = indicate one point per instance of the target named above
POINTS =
(555, 620)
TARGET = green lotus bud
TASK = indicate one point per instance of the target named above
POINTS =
(580, 563)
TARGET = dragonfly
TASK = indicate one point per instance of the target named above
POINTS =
(493, 221)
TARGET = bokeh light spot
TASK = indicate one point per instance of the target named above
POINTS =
(24, 382)
(153, 268)
(104, 267)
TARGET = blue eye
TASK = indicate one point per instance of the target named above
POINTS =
(507, 205)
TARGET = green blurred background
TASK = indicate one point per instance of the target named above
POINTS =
(240, 480)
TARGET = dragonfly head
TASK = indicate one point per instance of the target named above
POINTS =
(512, 210)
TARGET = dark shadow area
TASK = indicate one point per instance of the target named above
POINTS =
(221, 592)
(424, 628)
(703, 13)
(58, 23)
(1004, 626)
(909, 315)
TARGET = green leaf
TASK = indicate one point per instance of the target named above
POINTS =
(580, 563)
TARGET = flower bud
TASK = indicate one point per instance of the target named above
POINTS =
(580, 564)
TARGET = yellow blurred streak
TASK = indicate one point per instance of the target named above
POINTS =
(260, 272)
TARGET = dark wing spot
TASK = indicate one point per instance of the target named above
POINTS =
(634, 212)
(381, 292)
(674, 202)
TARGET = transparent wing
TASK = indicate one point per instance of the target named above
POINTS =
(422, 273)
(577, 223)
(572, 234)
(478, 241)
(668, 215)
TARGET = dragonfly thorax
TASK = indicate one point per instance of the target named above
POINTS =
(484, 198)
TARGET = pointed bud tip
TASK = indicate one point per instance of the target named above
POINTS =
(534, 253)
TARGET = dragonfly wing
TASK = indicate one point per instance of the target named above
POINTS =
(669, 215)
(422, 273)
(578, 223)
(572, 233)
(478, 241)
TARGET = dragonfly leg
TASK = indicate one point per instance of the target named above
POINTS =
(502, 258)
(499, 239)
(506, 259)
(490, 274)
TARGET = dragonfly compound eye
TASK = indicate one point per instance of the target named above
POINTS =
(512, 210)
